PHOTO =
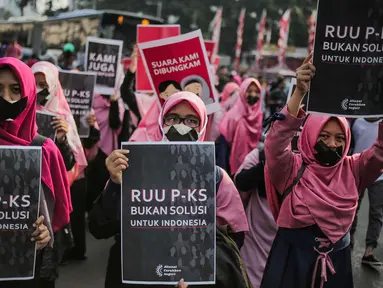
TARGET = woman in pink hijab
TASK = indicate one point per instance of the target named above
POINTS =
(314, 195)
(51, 98)
(18, 128)
(228, 98)
(47, 77)
(190, 108)
(241, 127)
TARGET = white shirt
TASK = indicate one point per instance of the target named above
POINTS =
(365, 134)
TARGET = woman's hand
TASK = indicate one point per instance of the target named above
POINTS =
(134, 57)
(113, 98)
(41, 235)
(61, 127)
(91, 119)
(116, 163)
(182, 284)
(304, 75)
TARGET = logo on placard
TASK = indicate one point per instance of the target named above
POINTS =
(352, 104)
(344, 104)
(159, 270)
(167, 270)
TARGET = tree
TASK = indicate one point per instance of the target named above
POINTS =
(24, 3)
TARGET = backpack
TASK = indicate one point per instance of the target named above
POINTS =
(230, 269)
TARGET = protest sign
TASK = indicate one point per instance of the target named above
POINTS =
(103, 56)
(44, 126)
(168, 213)
(180, 64)
(146, 33)
(348, 58)
(210, 46)
(20, 184)
(78, 89)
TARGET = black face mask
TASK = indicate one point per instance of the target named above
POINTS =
(12, 110)
(252, 100)
(174, 135)
(327, 156)
(42, 97)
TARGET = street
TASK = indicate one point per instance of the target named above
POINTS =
(90, 273)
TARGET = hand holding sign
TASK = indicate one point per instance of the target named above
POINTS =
(61, 126)
(41, 234)
(304, 75)
(182, 284)
(116, 163)
(91, 119)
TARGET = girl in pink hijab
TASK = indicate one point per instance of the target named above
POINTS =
(241, 127)
(186, 113)
(47, 77)
(262, 228)
(228, 98)
(70, 146)
(229, 90)
(319, 190)
(18, 128)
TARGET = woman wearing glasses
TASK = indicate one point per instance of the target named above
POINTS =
(183, 118)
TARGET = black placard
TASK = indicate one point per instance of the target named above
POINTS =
(163, 240)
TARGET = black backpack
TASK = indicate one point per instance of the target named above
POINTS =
(282, 197)
(231, 271)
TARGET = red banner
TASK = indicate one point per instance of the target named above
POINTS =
(210, 46)
(238, 47)
(180, 64)
(283, 37)
(215, 25)
(261, 37)
(146, 33)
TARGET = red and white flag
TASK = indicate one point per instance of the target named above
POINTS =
(238, 47)
(268, 36)
(283, 36)
(215, 26)
(261, 37)
(312, 24)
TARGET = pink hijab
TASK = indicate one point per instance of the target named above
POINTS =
(326, 196)
(242, 126)
(108, 137)
(144, 102)
(228, 90)
(151, 126)
(238, 79)
(59, 105)
(229, 205)
(22, 131)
